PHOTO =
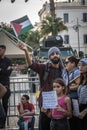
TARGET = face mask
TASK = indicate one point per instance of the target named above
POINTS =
(55, 60)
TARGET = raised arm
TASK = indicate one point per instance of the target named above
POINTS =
(25, 49)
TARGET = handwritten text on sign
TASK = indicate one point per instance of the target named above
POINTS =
(49, 99)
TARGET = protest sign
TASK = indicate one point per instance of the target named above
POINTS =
(49, 99)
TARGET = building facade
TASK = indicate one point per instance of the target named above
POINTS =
(74, 15)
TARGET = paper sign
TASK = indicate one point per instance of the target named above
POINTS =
(75, 107)
(49, 99)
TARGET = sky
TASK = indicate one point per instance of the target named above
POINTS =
(12, 11)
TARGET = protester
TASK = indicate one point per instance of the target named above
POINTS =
(82, 94)
(60, 114)
(55, 69)
(5, 71)
(26, 114)
(71, 63)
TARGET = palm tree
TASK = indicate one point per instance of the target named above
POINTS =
(52, 25)
(33, 38)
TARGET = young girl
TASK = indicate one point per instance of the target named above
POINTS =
(59, 115)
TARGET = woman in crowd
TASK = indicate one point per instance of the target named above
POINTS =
(26, 114)
(71, 64)
(82, 94)
(74, 75)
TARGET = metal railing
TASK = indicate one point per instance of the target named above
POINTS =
(18, 87)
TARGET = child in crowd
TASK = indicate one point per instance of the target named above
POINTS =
(60, 114)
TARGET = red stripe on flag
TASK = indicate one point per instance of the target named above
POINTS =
(17, 27)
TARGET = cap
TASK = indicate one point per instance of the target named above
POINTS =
(83, 61)
(52, 50)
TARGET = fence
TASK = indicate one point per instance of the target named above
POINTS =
(19, 86)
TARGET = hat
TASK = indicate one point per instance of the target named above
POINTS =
(83, 61)
(52, 50)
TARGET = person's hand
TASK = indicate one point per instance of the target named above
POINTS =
(22, 46)
(9, 68)
(46, 111)
(20, 116)
(43, 110)
(21, 104)
(82, 114)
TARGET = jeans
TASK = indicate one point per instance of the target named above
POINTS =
(30, 124)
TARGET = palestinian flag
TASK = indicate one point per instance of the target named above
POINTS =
(21, 25)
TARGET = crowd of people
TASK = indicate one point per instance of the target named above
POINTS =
(68, 79)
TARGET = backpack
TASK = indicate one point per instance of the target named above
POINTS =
(47, 71)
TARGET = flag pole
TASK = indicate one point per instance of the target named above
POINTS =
(16, 39)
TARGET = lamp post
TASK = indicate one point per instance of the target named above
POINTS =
(76, 28)
(12, 1)
(78, 36)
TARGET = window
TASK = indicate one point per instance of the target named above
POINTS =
(83, 2)
(66, 39)
(84, 17)
(85, 39)
(66, 19)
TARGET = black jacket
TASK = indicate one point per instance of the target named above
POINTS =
(5, 70)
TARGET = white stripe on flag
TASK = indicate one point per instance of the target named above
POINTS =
(25, 23)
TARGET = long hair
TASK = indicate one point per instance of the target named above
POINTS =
(82, 78)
